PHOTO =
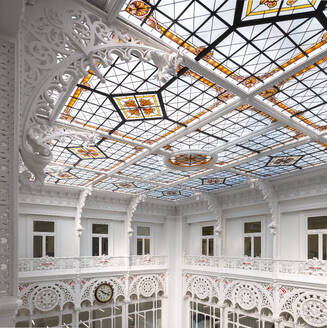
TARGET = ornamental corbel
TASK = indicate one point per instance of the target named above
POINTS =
(270, 196)
(81, 203)
(215, 206)
(131, 210)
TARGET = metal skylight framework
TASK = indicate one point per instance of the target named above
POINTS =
(251, 91)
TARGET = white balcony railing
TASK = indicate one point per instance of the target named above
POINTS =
(311, 267)
(76, 264)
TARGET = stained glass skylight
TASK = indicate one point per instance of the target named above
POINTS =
(251, 96)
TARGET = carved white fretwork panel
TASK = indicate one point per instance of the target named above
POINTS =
(303, 304)
(47, 296)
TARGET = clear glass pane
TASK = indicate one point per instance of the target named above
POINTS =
(313, 246)
(249, 321)
(211, 244)
(100, 228)
(204, 246)
(118, 322)
(247, 246)
(208, 231)
(143, 231)
(22, 324)
(324, 247)
(145, 306)
(251, 227)
(43, 226)
(96, 324)
(131, 321)
(317, 222)
(139, 250)
(149, 319)
(37, 246)
(95, 246)
(105, 246)
(67, 318)
(83, 316)
(146, 246)
(47, 322)
(49, 245)
(257, 247)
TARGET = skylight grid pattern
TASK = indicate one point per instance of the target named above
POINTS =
(191, 24)
(306, 156)
(232, 154)
(250, 51)
(196, 139)
(81, 177)
(236, 124)
(303, 96)
(186, 97)
(63, 155)
(170, 176)
(256, 9)
(121, 185)
(271, 139)
(170, 194)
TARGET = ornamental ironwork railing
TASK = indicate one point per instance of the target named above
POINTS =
(313, 267)
(76, 264)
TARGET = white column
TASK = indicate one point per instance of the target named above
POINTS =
(9, 122)
(174, 315)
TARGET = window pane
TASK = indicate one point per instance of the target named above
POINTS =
(100, 228)
(67, 318)
(312, 246)
(210, 247)
(95, 246)
(49, 245)
(257, 247)
(318, 222)
(249, 321)
(247, 246)
(207, 231)
(251, 227)
(146, 246)
(204, 246)
(143, 231)
(139, 246)
(37, 246)
(47, 322)
(43, 226)
(104, 246)
(324, 247)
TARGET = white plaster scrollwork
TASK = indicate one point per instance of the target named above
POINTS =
(46, 299)
(131, 210)
(62, 41)
(201, 287)
(312, 309)
(81, 203)
(247, 296)
(270, 196)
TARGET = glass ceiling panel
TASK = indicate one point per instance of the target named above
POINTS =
(254, 9)
(303, 96)
(301, 157)
(170, 194)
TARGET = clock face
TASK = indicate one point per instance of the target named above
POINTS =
(103, 293)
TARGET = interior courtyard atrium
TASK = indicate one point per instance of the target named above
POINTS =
(163, 163)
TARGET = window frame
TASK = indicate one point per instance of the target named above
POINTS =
(44, 235)
(319, 232)
(100, 236)
(252, 235)
(213, 237)
(144, 237)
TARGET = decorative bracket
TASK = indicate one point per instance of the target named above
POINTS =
(81, 203)
(131, 210)
(270, 196)
(215, 206)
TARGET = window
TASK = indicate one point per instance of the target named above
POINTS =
(100, 239)
(43, 238)
(143, 240)
(252, 239)
(317, 237)
(144, 314)
(208, 241)
(204, 315)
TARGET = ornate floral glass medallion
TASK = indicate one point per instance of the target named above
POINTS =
(190, 160)
(283, 160)
(135, 107)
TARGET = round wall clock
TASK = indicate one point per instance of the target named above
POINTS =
(103, 293)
